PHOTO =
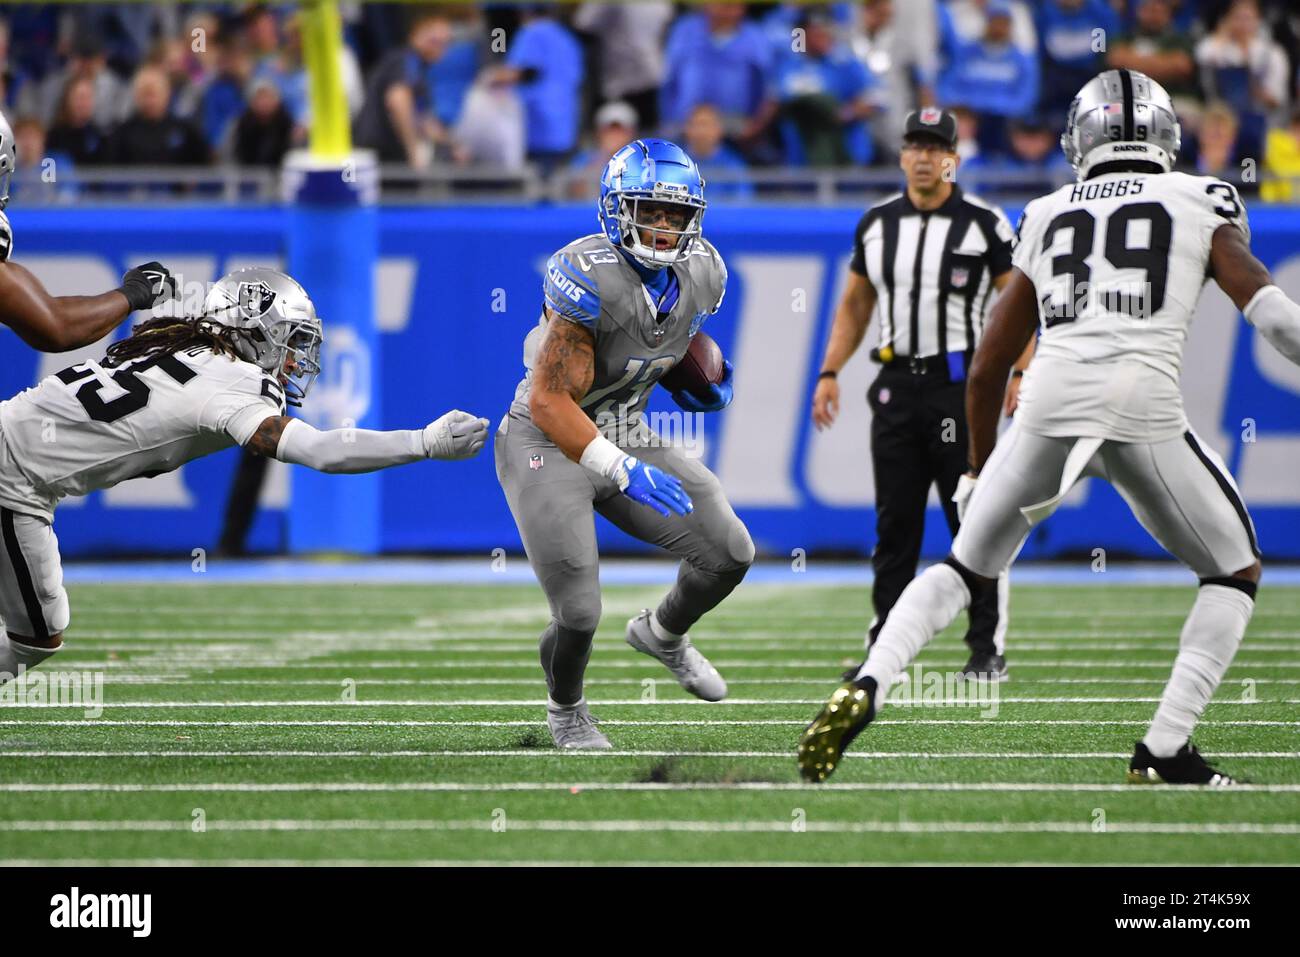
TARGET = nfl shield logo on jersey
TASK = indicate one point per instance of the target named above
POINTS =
(959, 277)
(535, 461)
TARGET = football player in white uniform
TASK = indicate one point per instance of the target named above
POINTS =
(60, 323)
(174, 390)
(1114, 284)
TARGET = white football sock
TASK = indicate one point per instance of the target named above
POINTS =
(928, 605)
(13, 654)
(660, 632)
(1206, 647)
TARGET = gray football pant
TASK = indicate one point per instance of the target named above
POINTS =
(554, 501)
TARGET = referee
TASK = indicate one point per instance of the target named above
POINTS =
(925, 261)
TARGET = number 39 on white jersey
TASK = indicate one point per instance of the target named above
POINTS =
(1118, 263)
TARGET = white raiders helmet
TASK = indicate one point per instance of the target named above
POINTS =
(1121, 116)
(279, 322)
(8, 159)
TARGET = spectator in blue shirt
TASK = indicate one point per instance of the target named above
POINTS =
(451, 76)
(616, 125)
(1034, 163)
(41, 176)
(223, 100)
(780, 23)
(824, 97)
(1069, 32)
(704, 142)
(545, 61)
(992, 77)
(716, 56)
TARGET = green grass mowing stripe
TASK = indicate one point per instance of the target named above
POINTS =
(656, 826)
(809, 846)
(546, 765)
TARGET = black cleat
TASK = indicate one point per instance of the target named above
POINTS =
(1185, 767)
(842, 718)
(985, 667)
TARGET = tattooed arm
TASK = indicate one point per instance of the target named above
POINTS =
(562, 374)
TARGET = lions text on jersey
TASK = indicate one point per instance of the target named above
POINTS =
(589, 282)
(1118, 262)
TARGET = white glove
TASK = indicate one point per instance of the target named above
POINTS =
(457, 435)
(965, 489)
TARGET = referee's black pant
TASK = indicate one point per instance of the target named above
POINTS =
(918, 439)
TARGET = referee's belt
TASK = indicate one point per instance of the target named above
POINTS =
(916, 365)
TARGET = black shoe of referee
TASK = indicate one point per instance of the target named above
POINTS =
(984, 666)
(1185, 767)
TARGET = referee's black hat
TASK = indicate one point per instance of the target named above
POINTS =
(933, 123)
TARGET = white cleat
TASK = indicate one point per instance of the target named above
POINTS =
(691, 669)
(574, 729)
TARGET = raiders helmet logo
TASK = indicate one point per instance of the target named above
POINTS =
(255, 298)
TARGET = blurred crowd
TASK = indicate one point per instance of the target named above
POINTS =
(745, 87)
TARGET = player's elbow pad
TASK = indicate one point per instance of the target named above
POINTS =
(347, 450)
(1277, 318)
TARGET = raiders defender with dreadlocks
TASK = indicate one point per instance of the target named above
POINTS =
(60, 323)
(176, 389)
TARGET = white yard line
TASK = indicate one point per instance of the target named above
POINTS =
(791, 722)
(335, 682)
(395, 787)
(785, 755)
(488, 825)
(825, 666)
(973, 700)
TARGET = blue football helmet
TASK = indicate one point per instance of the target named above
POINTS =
(658, 172)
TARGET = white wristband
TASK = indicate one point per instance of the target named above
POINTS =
(605, 458)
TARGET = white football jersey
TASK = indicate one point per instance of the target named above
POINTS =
(90, 427)
(1118, 263)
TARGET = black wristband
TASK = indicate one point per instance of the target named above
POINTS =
(138, 292)
(827, 374)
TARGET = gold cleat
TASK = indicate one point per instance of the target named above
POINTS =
(849, 710)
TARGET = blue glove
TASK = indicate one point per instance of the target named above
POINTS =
(719, 395)
(656, 488)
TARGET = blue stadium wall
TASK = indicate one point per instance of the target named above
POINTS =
(457, 289)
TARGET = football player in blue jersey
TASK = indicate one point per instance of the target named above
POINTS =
(621, 307)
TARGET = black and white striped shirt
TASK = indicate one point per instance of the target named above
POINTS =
(932, 270)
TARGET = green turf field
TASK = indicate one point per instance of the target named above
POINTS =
(405, 724)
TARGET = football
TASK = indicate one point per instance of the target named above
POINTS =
(699, 368)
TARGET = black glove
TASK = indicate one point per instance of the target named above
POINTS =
(146, 286)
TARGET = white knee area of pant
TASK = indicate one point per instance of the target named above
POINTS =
(1217, 621)
(59, 615)
(927, 606)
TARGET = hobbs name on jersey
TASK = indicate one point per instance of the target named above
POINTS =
(1109, 189)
